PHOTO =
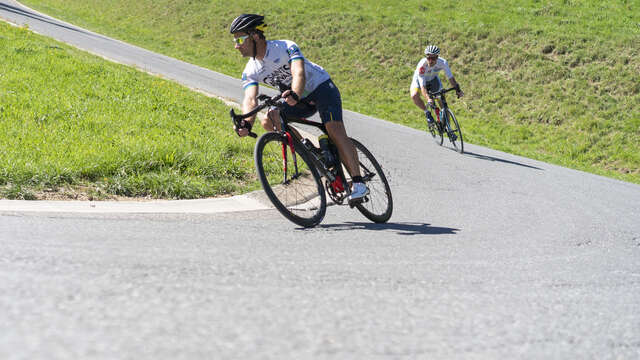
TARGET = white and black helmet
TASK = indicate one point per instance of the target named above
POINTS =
(432, 50)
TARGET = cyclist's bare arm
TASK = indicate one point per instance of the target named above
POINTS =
(250, 100)
(454, 83)
(297, 82)
(249, 103)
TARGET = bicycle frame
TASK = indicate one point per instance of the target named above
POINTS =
(338, 180)
(443, 100)
(292, 142)
(328, 178)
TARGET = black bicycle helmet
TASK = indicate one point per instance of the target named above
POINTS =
(248, 22)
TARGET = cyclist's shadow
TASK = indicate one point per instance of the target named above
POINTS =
(399, 228)
(491, 158)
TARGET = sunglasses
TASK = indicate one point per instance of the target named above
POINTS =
(240, 39)
(432, 57)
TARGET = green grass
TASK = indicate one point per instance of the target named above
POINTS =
(557, 81)
(68, 118)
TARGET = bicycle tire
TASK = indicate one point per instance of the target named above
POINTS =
(454, 128)
(301, 198)
(379, 206)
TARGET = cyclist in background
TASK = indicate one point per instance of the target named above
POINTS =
(425, 78)
(305, 86)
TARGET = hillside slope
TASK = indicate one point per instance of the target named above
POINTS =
(557, 81)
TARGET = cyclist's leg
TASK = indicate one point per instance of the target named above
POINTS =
(349, 158)
(432, 86)
(415, 94)
(417, 99)
(347, 151)
(270, 121)
(329, 104)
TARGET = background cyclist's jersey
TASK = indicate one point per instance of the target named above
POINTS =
(275, 68)
(425, 73)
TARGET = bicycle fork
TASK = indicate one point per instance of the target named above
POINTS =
(284, 158)
(444, 122)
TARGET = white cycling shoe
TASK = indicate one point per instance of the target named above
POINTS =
(358, 191)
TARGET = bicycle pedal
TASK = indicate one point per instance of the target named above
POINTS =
(354, 202)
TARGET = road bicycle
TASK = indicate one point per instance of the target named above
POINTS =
(297, 176)
(446, 123)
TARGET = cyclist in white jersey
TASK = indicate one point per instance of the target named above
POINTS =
(305, 86)
(425, 78)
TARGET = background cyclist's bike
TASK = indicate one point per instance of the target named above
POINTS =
(446, 123)
(297, 176)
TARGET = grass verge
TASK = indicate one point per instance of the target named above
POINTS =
(557, 81)
(73, 123)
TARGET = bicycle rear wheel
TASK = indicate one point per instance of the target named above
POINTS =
(454, 133)
(378, 205)
(295, 191)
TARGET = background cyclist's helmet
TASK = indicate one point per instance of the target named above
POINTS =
(432, 50)
(248, 22)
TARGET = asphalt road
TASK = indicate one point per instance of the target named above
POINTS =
(487, 255)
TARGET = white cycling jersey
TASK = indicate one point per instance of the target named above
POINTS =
(275, 68)
(424, 73)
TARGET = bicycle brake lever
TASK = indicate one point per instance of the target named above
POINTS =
(238, 124)
(234, 119)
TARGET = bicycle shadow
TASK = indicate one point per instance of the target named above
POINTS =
(491, 158)
(399, 228)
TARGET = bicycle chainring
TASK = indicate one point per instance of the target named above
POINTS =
(337, 196)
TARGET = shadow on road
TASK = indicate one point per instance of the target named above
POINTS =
(26, 13)
(399, 228)
(491, 158)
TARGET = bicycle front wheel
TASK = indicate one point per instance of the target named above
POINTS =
(290, 180)
(454, 133)
(435, 132)
(378, 205)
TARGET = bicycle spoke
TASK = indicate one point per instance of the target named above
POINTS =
(378, 205)
(299, 195)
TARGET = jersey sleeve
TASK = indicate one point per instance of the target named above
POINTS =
(249, 77)
(293, 51)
